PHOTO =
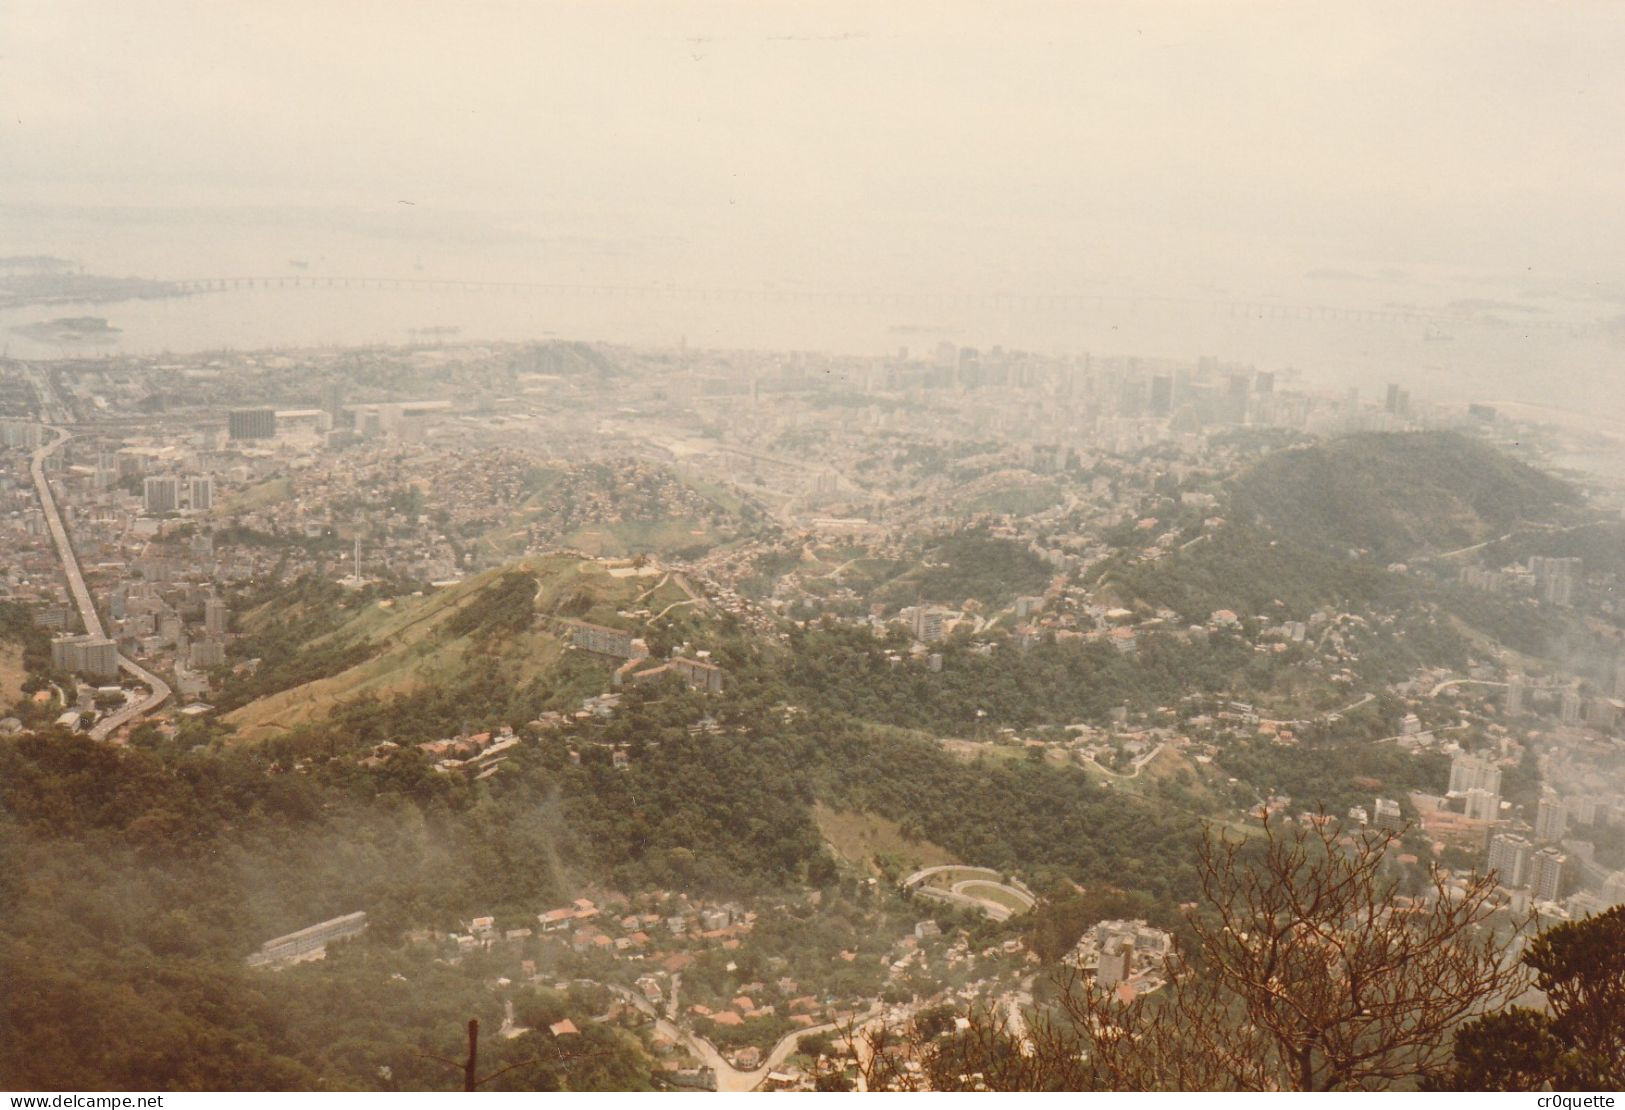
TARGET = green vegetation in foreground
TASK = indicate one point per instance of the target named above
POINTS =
(143, 875)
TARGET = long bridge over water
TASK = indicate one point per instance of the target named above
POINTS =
(1029, 303)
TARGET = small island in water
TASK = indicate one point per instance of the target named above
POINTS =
(69, 329)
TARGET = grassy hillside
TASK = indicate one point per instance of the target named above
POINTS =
(876, 844)
(1396, 496)
(486, 628)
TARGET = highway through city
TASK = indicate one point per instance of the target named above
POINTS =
(159, 689)
(59, 534)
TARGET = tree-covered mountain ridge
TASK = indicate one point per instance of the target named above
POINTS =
(1325, 525)
(1397, 496)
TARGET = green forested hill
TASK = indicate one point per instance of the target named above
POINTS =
(1249, 569)
(1396, 495)
(1317, 526)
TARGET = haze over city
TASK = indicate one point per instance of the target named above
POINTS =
(1377, 155)
(722, 547)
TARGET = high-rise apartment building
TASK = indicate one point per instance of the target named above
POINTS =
(1515, 694)
(1116, 962)
(1551, 820)
(1473, 772)
(91, 656)
(251, 423)
(161, 494)
(1546, 875)
(1483, 805)
(200, 493)
(215, 615)
(1569, 708)
(1509, 859)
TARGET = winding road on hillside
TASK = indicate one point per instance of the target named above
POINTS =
(82, 599)
(1453, 682)
(1523, 526)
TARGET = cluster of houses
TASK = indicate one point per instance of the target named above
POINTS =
(477, 754)
(1126, 956)
(584, 926)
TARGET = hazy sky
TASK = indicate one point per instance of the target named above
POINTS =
(985, 145)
